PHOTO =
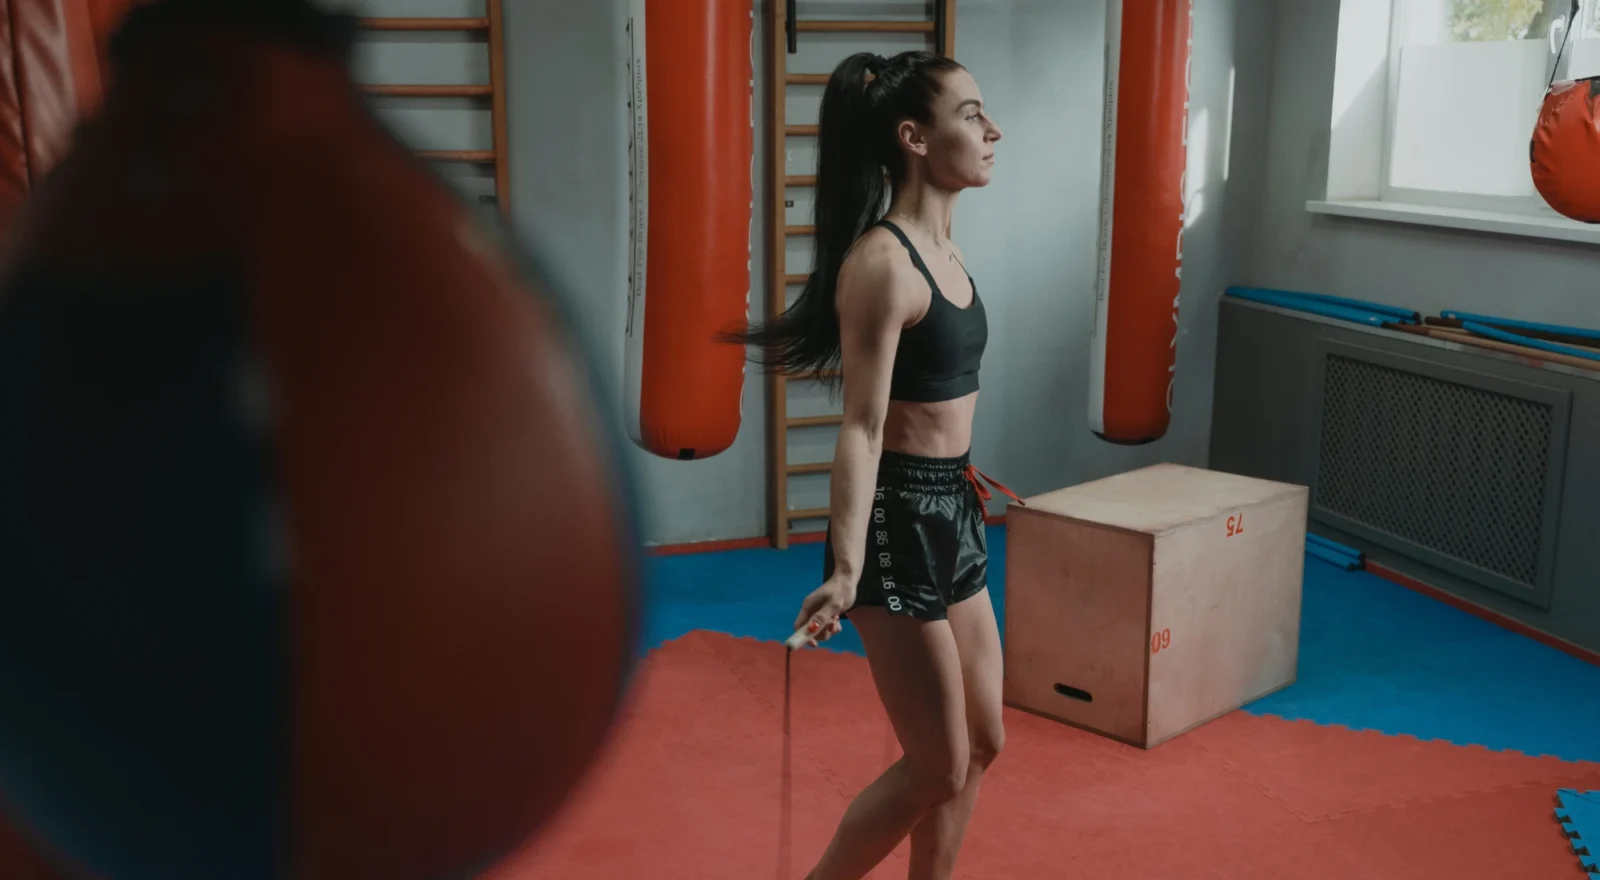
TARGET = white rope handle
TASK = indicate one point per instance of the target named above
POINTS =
(799, 639)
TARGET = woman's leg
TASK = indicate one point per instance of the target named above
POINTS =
(937, 838)
(917, 670)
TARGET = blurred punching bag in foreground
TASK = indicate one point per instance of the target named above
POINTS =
(315, 557)
(51, 53)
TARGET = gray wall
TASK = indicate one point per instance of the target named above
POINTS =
(1422, 267)
(1030, 236)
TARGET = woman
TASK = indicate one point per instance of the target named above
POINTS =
(891, 304)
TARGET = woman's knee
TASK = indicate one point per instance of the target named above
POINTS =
(936, 780)
(987, 742)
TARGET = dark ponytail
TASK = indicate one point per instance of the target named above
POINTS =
(859, 166)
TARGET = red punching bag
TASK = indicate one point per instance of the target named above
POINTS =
(1565, 151)
(692, 144)
(316, 560)
(1134, 343)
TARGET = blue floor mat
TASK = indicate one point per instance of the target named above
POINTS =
(1579, 815)
(1373, 655)
(747, 593)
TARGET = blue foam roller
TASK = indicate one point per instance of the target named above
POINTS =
(1404, 314)
(1301, 304)
(1339, 560)
(1335, 546)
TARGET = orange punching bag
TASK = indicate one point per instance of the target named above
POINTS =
(316, 559)
(1133, 346)
(1564, 155)
(692, 147)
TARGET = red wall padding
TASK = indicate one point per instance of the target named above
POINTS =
(53, 65)
(53, 59)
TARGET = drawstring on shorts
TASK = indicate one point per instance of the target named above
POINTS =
(984, 494)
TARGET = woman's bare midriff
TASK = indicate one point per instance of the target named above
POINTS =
(931, 430)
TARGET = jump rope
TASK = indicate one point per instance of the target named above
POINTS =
(794, 643)
(786, 778)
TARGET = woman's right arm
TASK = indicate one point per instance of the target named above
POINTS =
(875, 299)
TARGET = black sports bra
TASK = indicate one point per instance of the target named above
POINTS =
(938, 357)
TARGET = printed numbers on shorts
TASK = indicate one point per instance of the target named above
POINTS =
(881, 535)
(895, 603)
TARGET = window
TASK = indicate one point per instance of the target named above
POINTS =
(1434, 100)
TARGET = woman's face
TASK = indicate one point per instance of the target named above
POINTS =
(958, 148)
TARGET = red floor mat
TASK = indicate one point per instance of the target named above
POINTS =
(1510, 833)
(1366, 770)
(692, 788)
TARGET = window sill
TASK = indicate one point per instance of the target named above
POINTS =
(1501, 223)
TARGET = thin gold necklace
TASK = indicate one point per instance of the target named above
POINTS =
(937, 243)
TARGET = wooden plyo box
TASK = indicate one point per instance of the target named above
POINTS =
(1146, 604)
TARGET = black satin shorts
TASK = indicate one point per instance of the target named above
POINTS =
(926, 546)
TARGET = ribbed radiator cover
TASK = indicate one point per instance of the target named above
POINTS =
(1458, 467)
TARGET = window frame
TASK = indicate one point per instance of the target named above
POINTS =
(1531, 205)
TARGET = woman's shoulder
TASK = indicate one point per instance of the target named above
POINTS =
(878, 270)
(878, 253)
